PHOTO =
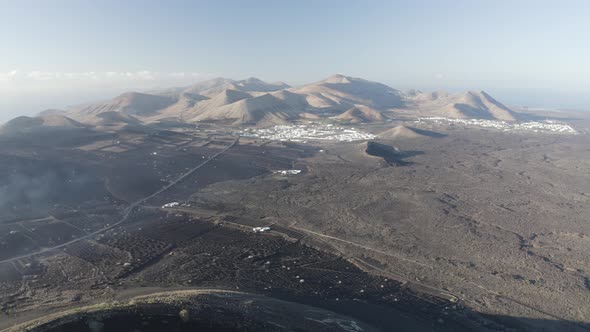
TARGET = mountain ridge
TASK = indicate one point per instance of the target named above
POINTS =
(254, 102)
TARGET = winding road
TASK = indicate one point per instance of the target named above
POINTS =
(128, 210)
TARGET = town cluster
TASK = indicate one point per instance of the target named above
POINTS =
(307, 132)
(547, 126)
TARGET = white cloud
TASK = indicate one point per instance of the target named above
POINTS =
(145, 75)
(40, 80)
(186, 75)
(36, 75)
(107, 76)
(92, 75)
(8, 75)
(41, 76)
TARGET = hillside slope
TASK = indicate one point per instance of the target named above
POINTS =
(468, 105)
(255, 102)
(39, 124)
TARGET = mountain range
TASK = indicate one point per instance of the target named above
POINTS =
(253, 102)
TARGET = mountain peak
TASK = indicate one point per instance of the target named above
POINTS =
(39, 124)
(254, 80)
(338, 78)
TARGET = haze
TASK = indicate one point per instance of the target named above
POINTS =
(289, 166)
(59, 53)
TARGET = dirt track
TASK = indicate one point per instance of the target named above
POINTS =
(128, 210)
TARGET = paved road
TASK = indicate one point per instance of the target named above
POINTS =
(128, 210)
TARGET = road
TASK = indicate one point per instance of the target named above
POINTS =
(431, 289)
(128, 210)
(454, 297)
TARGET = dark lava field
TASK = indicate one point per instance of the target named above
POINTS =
(465, 229)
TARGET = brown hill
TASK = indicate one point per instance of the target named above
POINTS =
(186, 101)
(185, 111)
(40, 124)
(469, 105)
(407, 132)
(134, 104)
(374, 152)
(51, 111)
(255, 84)
(215, 86)
(262, 110)
(180, 104)
(360, 114)
(344, 92)
(294, 100)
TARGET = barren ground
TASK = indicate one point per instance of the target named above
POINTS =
(473, 230)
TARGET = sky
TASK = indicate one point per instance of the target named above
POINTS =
(55, 53)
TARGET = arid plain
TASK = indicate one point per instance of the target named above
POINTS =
(464, 215)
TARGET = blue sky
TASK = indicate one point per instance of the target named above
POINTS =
(55, 53)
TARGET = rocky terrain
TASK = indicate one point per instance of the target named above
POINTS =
(376, 207)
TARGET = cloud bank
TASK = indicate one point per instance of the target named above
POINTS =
(15, 76)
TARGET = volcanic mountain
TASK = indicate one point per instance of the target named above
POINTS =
(468, 105)
(262, 110)
(215, 86)
(360, 114)
(202, 101)
(344, 92)
(39, 125)
(129, 104)
(407, 132)
(255, 102)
